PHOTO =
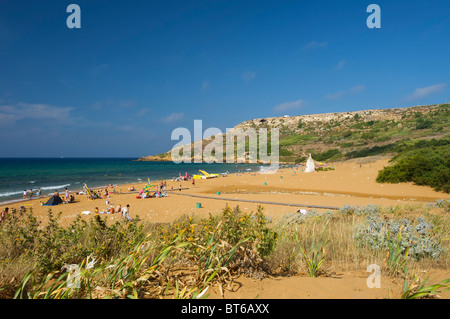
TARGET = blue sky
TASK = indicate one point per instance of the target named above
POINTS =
(136, 70)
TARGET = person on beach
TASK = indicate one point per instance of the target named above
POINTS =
(56, 193)
(111, 210)
(67, 195)
(193, 182)
(126, 212)
(25, 194)
(4, 214)
(118, 208)
(38, 193)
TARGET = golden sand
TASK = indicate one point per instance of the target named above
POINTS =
(349, 183)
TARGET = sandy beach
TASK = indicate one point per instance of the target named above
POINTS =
(350, 183)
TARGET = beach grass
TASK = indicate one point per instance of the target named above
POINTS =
(185, 257)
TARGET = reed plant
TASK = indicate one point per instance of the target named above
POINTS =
(315, 256)
(417, 289)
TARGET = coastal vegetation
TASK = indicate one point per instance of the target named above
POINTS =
(424, 162)
(186, 257)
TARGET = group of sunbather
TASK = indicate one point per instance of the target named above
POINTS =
(125, 211)
(160, 191)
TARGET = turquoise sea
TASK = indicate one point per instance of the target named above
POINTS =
(49, 174)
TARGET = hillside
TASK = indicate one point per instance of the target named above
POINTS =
(346, 135)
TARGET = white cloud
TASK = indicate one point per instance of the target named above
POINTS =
(340, 65)
(174, 117)
(205, 85)
(98, 105)
(315, 45)
(126, 103)
(420, 93)
(357, 89)
(22, 111)
(248, 76)
(142, 112)
(99, 69)
(353, 90)
(109, 103)
(287, 106)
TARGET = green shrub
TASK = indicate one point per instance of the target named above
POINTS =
(127, 256)
(367, 135)
(295, 139)
(332, 153)
(53, 246)
(428, 166)
(300, 159)
(346, 144)
(346, 134)
(423, 124)
(285, 152)
(237, 226)
(382, 139)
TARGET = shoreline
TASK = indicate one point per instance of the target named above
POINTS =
(96, 188)
(141, 184)
(281, 193)
(19, 200)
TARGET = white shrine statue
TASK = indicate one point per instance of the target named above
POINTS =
(309, 165)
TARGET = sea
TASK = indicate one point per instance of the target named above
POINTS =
(50, 174)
